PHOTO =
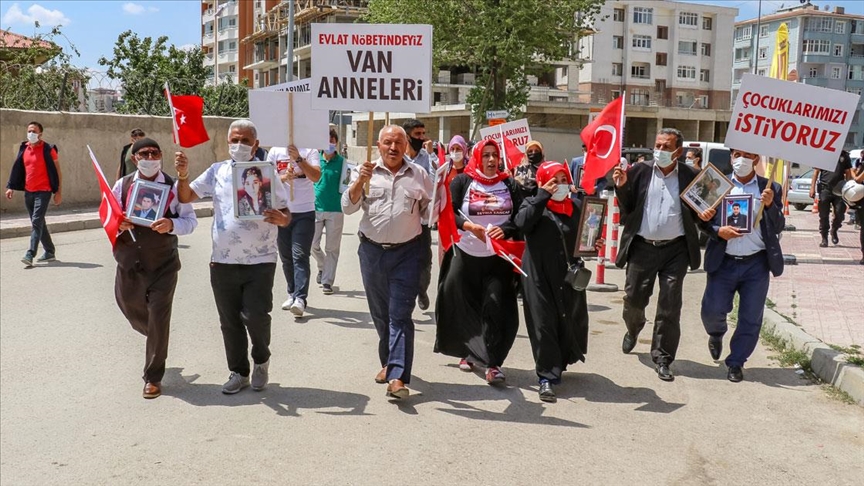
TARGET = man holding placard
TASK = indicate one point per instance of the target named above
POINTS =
(739, 262)
(391, 250)
(420, 152)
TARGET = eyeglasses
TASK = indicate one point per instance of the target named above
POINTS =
(149, 154)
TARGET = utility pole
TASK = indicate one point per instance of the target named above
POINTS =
(289, 75)
(756, 35)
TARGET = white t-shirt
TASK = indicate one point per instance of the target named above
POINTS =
(237, 241)
(484, 205)
(304, 188)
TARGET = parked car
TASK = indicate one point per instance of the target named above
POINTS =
(799, 191)
(713, 152)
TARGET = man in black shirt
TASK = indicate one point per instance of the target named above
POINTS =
(824, 182)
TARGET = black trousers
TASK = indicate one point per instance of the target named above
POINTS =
(425, 258)
(244, 299)
(859, 215)
(827, 201)
(645, 264)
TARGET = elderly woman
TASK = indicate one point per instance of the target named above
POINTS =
(476, 311)
(556, 314)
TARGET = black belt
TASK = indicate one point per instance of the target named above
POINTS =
(660, 243)
(386, 246)
(739, 258)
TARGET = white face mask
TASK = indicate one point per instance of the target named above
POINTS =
(662, 158)
(561, 193)
(240, 152)
(742, 166)
(456, 156)
(32, 137)
(331, 149)
(149, 168)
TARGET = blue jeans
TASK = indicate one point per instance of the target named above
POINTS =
(392, 279)
(37, 205)
(295, 246)
(750, 279)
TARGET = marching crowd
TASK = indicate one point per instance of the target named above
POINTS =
(476, 309)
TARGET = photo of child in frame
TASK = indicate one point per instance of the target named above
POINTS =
(149, 201)
(252, 189)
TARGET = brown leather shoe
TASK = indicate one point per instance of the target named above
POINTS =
(381, 377)
(396, 389)
(152, 390)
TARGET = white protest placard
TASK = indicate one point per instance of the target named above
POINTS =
(372, 67)
(791, 121)
(293, 86)
(269, 111)
(517, 131)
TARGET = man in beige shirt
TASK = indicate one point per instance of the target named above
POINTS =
(390, 244)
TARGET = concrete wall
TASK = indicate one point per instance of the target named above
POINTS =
(106, 134)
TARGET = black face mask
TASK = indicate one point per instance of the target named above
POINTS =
(416, 143)
(535, 158)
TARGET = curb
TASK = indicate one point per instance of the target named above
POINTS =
(825, 362)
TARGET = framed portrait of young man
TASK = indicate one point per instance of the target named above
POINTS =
(737, 211)
(707, 189)
(590, 226)
(147, 202)
(253, 189)
(345, 178)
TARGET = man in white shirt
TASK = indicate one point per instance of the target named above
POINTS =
(243, 261)
(302, 169)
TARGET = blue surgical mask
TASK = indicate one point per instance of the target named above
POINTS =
(330, 149)
(662, 158)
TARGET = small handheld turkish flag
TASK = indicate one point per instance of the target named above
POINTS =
(110, 211)
(602, 138)
(188, 111)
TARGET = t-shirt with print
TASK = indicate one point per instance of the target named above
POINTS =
(328, 199)
(235, 241)
(304, 189)
(484, 205)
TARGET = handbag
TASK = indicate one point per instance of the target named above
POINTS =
(577, 276)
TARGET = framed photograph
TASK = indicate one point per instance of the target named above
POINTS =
(707, 189)
(439, 194)
(577, 181)
(590, 226)
(348, 168)
(252, 189)
(737, 211)
(147, 202)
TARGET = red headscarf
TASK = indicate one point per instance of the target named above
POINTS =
(475, 166)
(545, 173)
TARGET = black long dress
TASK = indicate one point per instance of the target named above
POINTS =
(476, 313)
(556, 315)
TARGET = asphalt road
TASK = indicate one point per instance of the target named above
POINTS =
(71, 410)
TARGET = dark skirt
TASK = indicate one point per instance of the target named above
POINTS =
(476, 310)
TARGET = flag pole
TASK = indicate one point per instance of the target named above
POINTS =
(173, 115)
(503, 149)
(504, 256)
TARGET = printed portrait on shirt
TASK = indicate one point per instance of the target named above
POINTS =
(489, 202)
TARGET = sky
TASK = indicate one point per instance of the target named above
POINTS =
(93, 26)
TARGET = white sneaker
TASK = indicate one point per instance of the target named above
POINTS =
(235, 383)
(298, 307)
(260, 375)
(288, 303)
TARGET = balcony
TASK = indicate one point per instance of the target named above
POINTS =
(263, 60)
(207, 39)
(227, 57)
(821, 58)
(820, 81)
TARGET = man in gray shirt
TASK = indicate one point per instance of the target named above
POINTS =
(390, 250)
(420, 152)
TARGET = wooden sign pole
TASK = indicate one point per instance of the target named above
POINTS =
(369, 140)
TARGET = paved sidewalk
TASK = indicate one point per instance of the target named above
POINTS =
(820, 293)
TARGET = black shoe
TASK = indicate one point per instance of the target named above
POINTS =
(423, 301)
(715, 346)
(546, 393)
(628, 343)
(735, 374)
(824, 243)
(318, 279)
(664, 372)
(834, 238)
(862, 261)
(327, 290)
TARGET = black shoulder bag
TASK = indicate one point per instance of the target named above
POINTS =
(578, 277)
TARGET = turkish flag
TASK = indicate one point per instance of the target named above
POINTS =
(110, 211)
(509, 250)
(188, 111)
(448, 235)
(512, 153)
(602, 138)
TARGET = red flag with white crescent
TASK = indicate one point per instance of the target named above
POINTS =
(602, 138)
(110, 212)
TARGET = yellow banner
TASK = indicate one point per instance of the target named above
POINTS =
(780, 70)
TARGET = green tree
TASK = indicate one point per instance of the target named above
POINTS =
(38, 75)
(502, 41)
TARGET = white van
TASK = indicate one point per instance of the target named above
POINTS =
(713, 152)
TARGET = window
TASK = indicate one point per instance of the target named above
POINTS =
(232, 46)
(640, 70)
(835, 73)
(660, 59)
(742, 54)
(819, 24)
(743, 33)
(856, 73)
(617, 42)
(705, 75)
(762, 72)
(688, 19)
(858, 27)
(707, 23)
(687, 48)
(685, 100)
(854, 91)
(618, 15)
(686, 72)
(617, 69)
(232, 69)
(703, 101)
(813, 73)
(662, 32)
(639, 97)
(815, 46)
(763, 31)
(642, 42)
(839, 27)
(838, 50)
(763, 53)
(643, 15)
(706, 49)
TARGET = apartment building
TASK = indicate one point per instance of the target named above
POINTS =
(224, 23)
(826, 48)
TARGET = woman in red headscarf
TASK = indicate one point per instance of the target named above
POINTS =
(556, 315)
(476, 310)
